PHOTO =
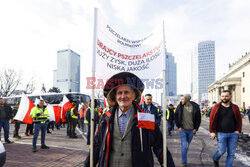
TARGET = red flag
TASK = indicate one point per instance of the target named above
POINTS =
(146, 121)
(142, 100)
(104, 101)
(24, 110)
(66, 105)
(57, 111)
(54, 113)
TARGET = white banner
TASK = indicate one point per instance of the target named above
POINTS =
(117, 53)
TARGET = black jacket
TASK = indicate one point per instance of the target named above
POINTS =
(152, 139)
(8, 111)
(196, 115)
(88, 116)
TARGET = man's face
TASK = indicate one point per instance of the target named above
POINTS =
(171, 107)
(183, 100)
(124, 96)
(41, 103)
(148, 100)
(1, 101)
(225, 97)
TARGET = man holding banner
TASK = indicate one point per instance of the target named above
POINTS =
(127, 135)
(122, 56)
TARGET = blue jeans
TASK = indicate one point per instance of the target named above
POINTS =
(43, 128)
(186, 138)
(226, 141)
(6, 127)
(170, 126)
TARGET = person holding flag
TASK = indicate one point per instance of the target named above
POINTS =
(126, 135)
(40, 115)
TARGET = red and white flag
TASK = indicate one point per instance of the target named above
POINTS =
(23, 113)
(146, 121)
(66, 105)
(142, 99)
(54, 113)
(104, 102)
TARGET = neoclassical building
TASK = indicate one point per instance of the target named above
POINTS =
(237, 80)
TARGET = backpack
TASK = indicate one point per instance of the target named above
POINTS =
(68, 114)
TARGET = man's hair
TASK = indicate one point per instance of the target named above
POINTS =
(148, 95)
(226, 91)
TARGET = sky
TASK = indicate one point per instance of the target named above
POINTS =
(32, 31)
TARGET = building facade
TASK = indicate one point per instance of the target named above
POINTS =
(171, 80)
(203, 70)
(67, 74)
(237, 80)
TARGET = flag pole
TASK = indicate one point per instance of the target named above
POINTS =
(93, 91)
(164, 104)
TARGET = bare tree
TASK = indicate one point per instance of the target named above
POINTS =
(30, 86)
(43, 90)
(9, 81)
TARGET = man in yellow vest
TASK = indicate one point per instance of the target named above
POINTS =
(40, 114)
(170, 118)
(73, 121)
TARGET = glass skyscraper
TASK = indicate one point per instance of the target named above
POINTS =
(67, 75)
(206, 67)
(171, 81)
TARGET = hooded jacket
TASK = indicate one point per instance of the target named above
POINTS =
(195, 113)
(151, 138)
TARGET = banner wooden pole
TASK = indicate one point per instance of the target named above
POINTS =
(164, 104)
(93, 91)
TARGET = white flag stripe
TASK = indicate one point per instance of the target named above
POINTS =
(146, 117)
(51, 113)
(36, 102)
(23, 109)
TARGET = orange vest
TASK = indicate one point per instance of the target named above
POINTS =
(84, 113)
(81, 113)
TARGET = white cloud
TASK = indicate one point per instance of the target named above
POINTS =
(127, 10)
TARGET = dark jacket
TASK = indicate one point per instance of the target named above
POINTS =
(152, 139)
(154, 111)
(88, 116)
(248, 112)
(8, 111)
(196, 115)
(215, 113)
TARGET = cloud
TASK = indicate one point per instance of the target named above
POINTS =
(127, 10)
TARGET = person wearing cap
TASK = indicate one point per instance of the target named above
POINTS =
(119, 142)
(170, 118)
(187, 119)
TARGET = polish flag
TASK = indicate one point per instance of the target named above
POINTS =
(54, 113)
(146, 121)
(23, 113)
(142, 100)
(104, 101)
(66, 105)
